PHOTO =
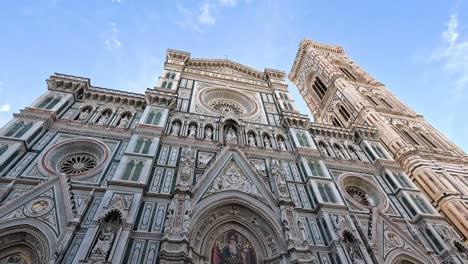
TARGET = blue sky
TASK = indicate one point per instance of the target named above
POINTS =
(418, 49)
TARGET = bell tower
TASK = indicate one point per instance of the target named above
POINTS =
(340, 93)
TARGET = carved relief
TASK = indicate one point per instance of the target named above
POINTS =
(233, 178)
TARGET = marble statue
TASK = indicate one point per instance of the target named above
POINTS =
(175, 128)
(124, 121)
(252, 141)
(208, 133)
(83, 114)
(104, 242)
(281, 144)
(192, 131)
(231, 134)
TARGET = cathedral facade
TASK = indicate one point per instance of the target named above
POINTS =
(214, 165)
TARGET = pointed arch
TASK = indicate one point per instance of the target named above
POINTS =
(26, 238)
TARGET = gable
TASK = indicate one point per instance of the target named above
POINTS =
(51, 203)
(233, 172)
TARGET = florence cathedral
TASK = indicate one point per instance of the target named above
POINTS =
(214, 165)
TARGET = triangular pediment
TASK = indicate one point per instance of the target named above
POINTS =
(50, 202)
(233, 172)
(395, 241)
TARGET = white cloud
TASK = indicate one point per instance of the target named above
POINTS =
(205, 17)
(454, 55)
(116, 1)
(451, 34)
(112, 41)
(5, 108)
(228, 2)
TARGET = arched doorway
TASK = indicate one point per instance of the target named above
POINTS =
(406, 259)
(233, 230)
(24, 245)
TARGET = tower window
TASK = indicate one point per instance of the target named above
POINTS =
(49, 103)
(169, 85)
(168, 75)
(386, 103)
(347, 73)
(164, 84)
(369, 152)
(410, 137)
(344, 113)
(379, 152)
(302, 138)
(3, 149)
(18, 129)
(390, 181)
(433, 240)
(372, 100)
(408, 206)
(319, 88)
(426, 140)
(421, 204)
(173, 76)
(153, 118)
(336, 123)
(315, 168)
(132, 171)
(326, 192)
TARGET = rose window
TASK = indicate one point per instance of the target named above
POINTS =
(358, 195)
(228, 107)
(362, 192)
(78, 157)
(77, 164)
(228, 101)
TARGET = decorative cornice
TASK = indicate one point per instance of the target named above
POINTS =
(301, 54)
(223, 63)
(80, 85)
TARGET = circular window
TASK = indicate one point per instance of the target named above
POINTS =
(358, 195)
(75, 157)
(362, 192)
(78, 163)
(227, 107)
(223, 100)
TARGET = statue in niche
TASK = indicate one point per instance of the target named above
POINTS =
(192, 131)
(208, 133)
(186, 222)
(281, 144)
(187, 163)
(124, 121)
(231, 134)
(266, 141)
(175, 128)
(104, 118)
(168, 221)
(103, 244)
(252, 140)
(287, 229)
(84, 113)
(278, 174)
(301, 226)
